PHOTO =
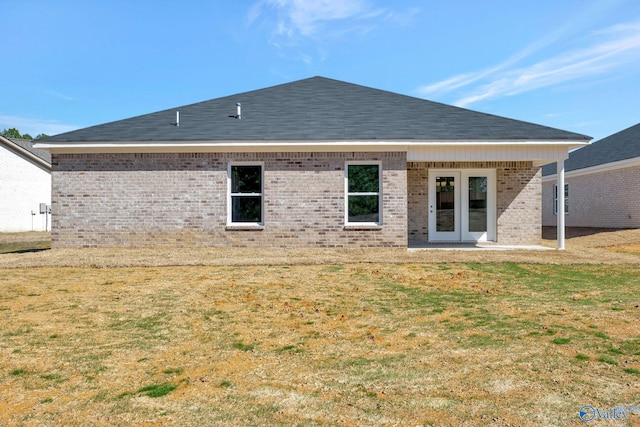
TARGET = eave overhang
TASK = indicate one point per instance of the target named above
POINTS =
(289, 146)
(539, 152)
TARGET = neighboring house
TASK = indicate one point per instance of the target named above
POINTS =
(25, 183)
(315, 162)
(602, 182)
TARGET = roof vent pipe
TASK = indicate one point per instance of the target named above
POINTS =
(177, 118)
(238, 111)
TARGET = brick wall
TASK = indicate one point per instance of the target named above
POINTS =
(418, 202)
(609, 199)
(181, 199)
(518, 186)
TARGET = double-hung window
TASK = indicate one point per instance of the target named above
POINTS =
(363, 191)
(245, 194)
(566, 199)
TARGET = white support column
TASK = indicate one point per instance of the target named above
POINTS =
(560, 201)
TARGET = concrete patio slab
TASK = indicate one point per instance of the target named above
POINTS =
(484, 246)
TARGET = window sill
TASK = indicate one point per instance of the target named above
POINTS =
(363, 226)
(248, 227)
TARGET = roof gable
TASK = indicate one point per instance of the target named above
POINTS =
(316, 108)
(622, 145)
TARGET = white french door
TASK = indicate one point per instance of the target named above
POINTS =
(462, 205)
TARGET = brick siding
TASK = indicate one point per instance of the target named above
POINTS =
(609, 199)
(180, 199)
(519, 186)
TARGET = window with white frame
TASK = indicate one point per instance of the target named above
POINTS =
(363, 189)
(245, 194)
(566, 199)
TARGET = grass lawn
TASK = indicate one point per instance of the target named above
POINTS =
(352, 344)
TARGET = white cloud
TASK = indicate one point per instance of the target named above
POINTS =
(306, 30)
(402, 18)
(60, 95)
(607, 50)
(462, 80)
(34, 126)
(307, 17)
(300, 22)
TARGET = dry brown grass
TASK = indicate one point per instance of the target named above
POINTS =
(605, 246)
(318, 337)
(631, 248)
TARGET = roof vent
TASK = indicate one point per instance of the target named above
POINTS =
(177, 118)
(238, 111)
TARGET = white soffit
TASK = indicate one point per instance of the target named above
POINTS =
(539, 154)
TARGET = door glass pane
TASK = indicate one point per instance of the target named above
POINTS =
(445, 203)
(477, 203)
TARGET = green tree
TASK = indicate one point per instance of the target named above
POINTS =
(15, 134)
(11, 133)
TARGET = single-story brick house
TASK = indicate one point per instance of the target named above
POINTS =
(25, 184)
(315, 162)
(602, 184)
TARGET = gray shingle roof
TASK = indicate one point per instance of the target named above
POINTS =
(27, 145)
(316, 108)
(619, 146)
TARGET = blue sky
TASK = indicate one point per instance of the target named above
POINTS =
(571, 64)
